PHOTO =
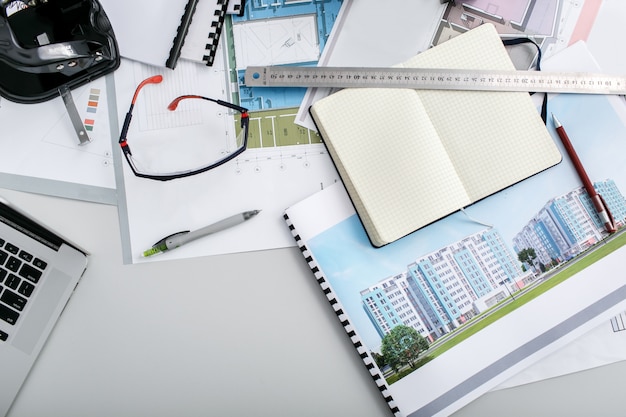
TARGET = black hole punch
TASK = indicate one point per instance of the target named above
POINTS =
(45, 45)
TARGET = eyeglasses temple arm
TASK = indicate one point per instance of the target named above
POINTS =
(124, 131)
(155, 79)
(232, 106)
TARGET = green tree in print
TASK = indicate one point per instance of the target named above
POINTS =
(402, 346)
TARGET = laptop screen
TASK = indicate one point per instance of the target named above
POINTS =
(21, 222)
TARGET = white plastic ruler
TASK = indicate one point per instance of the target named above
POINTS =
(435, 79)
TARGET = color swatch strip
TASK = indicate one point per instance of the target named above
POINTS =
(92, 107)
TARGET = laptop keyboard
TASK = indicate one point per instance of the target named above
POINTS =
(19, 274)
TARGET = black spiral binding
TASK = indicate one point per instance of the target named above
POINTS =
(363, 352)
(214, 37)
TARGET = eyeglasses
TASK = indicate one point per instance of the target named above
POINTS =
(187, 154)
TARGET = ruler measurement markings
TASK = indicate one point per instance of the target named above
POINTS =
(438, 79)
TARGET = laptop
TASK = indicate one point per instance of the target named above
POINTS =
(39, 270)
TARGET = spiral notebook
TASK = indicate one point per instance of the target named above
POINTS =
(201, 44)
(160, 32)
(427, 284)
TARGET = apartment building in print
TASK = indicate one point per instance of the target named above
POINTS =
(443, 289)
(568, 225)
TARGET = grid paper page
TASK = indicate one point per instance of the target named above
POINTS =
(495, 139)
(397, 173)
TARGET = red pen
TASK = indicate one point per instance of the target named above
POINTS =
(597, 200)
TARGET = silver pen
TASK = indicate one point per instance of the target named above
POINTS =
(180, 238)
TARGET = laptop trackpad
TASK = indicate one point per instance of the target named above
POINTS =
(37, 318)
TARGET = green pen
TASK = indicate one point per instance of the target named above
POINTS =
(180, 238)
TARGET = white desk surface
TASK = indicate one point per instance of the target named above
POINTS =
(238, 335)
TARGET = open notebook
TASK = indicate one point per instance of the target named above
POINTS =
(408, 158)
